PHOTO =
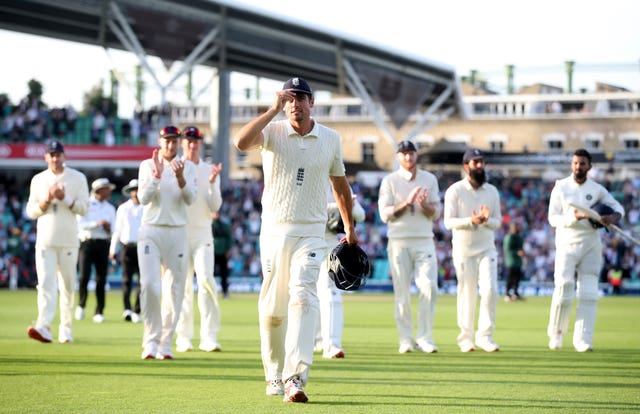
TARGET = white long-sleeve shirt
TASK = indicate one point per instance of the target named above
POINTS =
(57, 225)
(413, 223)
(165, 203)
(128, 221)
(561, 216)
(208, 200)
(88, 227)
(460, 200)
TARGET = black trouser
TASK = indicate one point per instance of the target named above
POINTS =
(93, 252)
(222, 270)
(129, 263)
(514, 274)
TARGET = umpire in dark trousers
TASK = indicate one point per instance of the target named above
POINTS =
(94, 231)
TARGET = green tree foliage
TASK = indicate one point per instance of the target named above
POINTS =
(96, 100)
(35, 89)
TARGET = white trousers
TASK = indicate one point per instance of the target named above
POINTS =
(329, 330)
(409, 258)
(477, 274)
(288, 304)
(200, 260)
(586, 260)
(162, 257)
(56, 268)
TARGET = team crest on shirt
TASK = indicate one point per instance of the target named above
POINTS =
(589, 197)
(300, 176)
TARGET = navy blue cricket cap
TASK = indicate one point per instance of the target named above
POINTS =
(472, 154)
(191, 133)
(406, 146)
(55, 146)
(298, 85)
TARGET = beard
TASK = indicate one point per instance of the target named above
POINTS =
(478, 176)
(579, 175)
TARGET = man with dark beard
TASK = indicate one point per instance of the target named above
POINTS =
(472, 213)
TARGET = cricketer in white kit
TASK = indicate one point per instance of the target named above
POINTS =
(409, 202)
(201, 251)
(167, 186)
(578, 251)
(299, 157)
(329, 333)
(472, 213)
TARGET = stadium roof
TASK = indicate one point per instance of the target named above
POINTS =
(234, 37)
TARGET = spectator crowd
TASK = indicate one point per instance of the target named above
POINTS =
(33, 121)
(523, 200)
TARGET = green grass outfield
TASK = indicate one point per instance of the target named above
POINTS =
(102, 371)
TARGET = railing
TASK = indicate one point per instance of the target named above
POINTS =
(548, 106)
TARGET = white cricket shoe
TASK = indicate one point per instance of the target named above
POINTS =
(333, 353)
(135, 318)
(210, 346)
(487, 345)
(79, 314)
(41, 334)
(275, 387)
(583, 347)
(64, 336)
(149, 351)
(555, 342)
(405, 348)
(126, 315)
(426, 346)
(293, 391)
(183, 345)
(466, 346)
(164, 355)
(98, 318)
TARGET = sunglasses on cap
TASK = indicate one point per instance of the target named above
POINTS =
(191, 133)
(169, 132)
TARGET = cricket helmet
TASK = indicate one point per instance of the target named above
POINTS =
(348, 266)
(603, 210)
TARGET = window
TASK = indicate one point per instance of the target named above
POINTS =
(554, 145)
(496, 142)
(368, 152)
(593, 140)
(555, 141)
(496, 146)
(630, 140)
(631, 144)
